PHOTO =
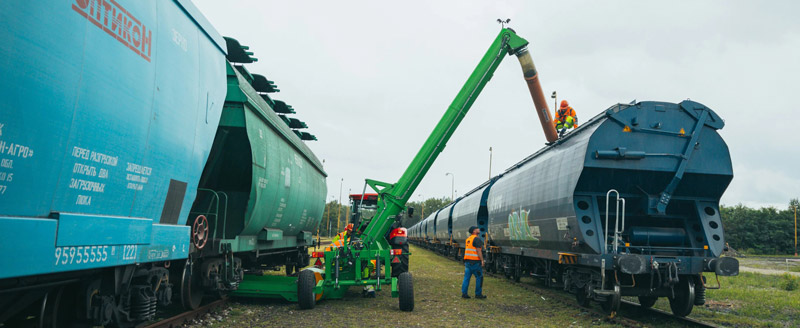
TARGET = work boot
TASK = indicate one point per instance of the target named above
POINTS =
(480, 297)
(464, 296)
(369, 291)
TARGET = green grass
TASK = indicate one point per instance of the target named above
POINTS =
(437, 292)
(749, 300)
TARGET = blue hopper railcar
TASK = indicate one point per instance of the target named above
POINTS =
(139, 159)
(626, 205)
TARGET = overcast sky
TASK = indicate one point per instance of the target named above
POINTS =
(372, 78)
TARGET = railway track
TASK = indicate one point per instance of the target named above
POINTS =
(186, 317)
(689, 322)
(627, 316)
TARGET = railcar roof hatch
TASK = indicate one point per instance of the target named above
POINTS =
(238, 53)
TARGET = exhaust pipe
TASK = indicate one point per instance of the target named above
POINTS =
(535, 88)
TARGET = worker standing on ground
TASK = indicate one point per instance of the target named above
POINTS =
(473, 264)
(566, 118)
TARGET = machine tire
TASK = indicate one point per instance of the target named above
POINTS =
(405, 288)
(398, 268)
(306, 281)
(683, 302)
(647, 301)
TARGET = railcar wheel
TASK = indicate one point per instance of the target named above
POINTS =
(306, 281)
(647, 301)
(58, 309)
(192, 292)
(611, 304)
(683, 302)
(405, 287)
(51, 303)
(582, 296)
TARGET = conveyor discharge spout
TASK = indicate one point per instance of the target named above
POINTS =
(535, 87)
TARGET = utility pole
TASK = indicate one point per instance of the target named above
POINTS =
(795, 231)
(329, 219)
(339, 210)
(328, 209)
(490, 163)
(422, 205)
(452, 185)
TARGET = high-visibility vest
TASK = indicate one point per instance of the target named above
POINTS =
(338, 240)
(562, 114)
(470, 252)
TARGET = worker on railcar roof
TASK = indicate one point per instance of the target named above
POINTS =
(566, 118)
(473, 263)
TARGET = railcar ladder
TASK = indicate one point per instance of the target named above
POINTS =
(617, 218)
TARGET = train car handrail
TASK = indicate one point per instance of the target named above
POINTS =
(214, 203)
(617, 230)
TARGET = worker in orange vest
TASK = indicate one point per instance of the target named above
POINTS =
(339, 239)
(473, 263)
(566, 118)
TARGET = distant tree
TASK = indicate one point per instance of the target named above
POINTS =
(332, 211)
(766, 230)
(424, 209)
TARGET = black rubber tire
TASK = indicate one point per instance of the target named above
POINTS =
(398, 268)
(683, 302)
(582, 296)
(647, 301)
(305, 289)
(405, 288)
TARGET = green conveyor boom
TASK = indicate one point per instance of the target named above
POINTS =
(344, 266)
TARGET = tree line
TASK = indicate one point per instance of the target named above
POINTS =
(766, 230)
(336, 216)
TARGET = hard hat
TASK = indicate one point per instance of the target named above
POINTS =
(349, 227)
(564, 104)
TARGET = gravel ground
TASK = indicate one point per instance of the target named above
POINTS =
(771, 266)
(437, 284)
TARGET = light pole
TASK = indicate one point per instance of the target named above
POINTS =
(329, 219)
(490, 163)
(422, 205)
(555, 100)
(452, 185)
(328, 209)
(339, 210)
(795, 231)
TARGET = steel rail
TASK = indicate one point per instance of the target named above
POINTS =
(185, 317)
